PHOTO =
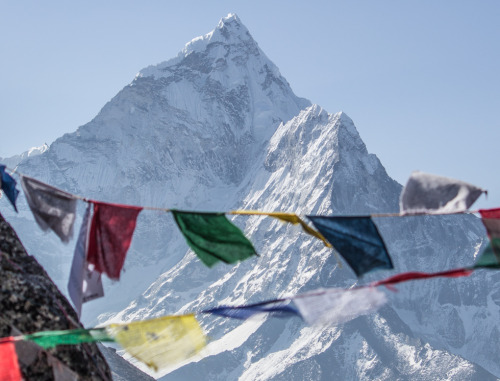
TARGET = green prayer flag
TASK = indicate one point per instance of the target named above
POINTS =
(50, 339)
(490, 257)
(213, 237)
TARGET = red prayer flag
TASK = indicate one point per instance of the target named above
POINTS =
(110, 236)
(491, 221)
(490, 213)
(9, 366)
(417, 275)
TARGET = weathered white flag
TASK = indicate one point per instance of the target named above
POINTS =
(84, 282)
(337, 306)
(430, 194)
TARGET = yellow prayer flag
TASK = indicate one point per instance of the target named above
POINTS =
(293, 219)
(287, 217)
(160, 342)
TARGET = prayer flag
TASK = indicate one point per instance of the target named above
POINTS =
(357, 239)
(281, 309)
(287, 217)
(84, 282)
(52, 208)
(9, 365)
(8, 185)
(490, 213)
(111, 233)
(160, 342)
(491, 221)
(92, 284)
(490, 257)
(492, 226)
(337, 306)
(404, 277)
(50, 339)
(213, 237)
(430, 194)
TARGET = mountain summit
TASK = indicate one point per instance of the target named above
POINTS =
(213, 105)
(230, 35)
(225, 74)
(218, 128)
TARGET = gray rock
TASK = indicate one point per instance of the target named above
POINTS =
(30, 302)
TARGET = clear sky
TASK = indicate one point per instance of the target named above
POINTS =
(420, 79)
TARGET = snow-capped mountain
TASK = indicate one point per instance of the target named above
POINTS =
(218, 128)
(13, 161)
(182, 135)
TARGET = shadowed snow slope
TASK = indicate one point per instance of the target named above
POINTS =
(218, 128)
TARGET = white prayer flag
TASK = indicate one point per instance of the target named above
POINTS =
(337, 306)
(84, 283)
(431, 194)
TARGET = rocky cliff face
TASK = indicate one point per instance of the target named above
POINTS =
(218, 128)
(30, 302)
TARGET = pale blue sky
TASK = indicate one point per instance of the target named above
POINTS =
(420, 79)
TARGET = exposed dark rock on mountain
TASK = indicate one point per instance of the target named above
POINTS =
(30, 302)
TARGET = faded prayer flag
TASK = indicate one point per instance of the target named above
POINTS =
(8, 185)
(50, 339)
(111, 233)
(357, 239)
(337, 306)
(430, 194)
(213, 237)
(9, 364)
(160, 342)
(84, 282)
(280, 309)
(52, 208)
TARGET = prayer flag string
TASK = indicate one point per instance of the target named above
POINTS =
(474, 193)
(167, 340)
(102, 247)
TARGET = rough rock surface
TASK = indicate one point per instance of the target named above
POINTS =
(30, 302)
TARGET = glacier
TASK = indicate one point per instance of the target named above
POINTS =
(218, 128)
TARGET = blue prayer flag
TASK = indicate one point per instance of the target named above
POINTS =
(275, 309)
(357, 239)
(9, 186)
